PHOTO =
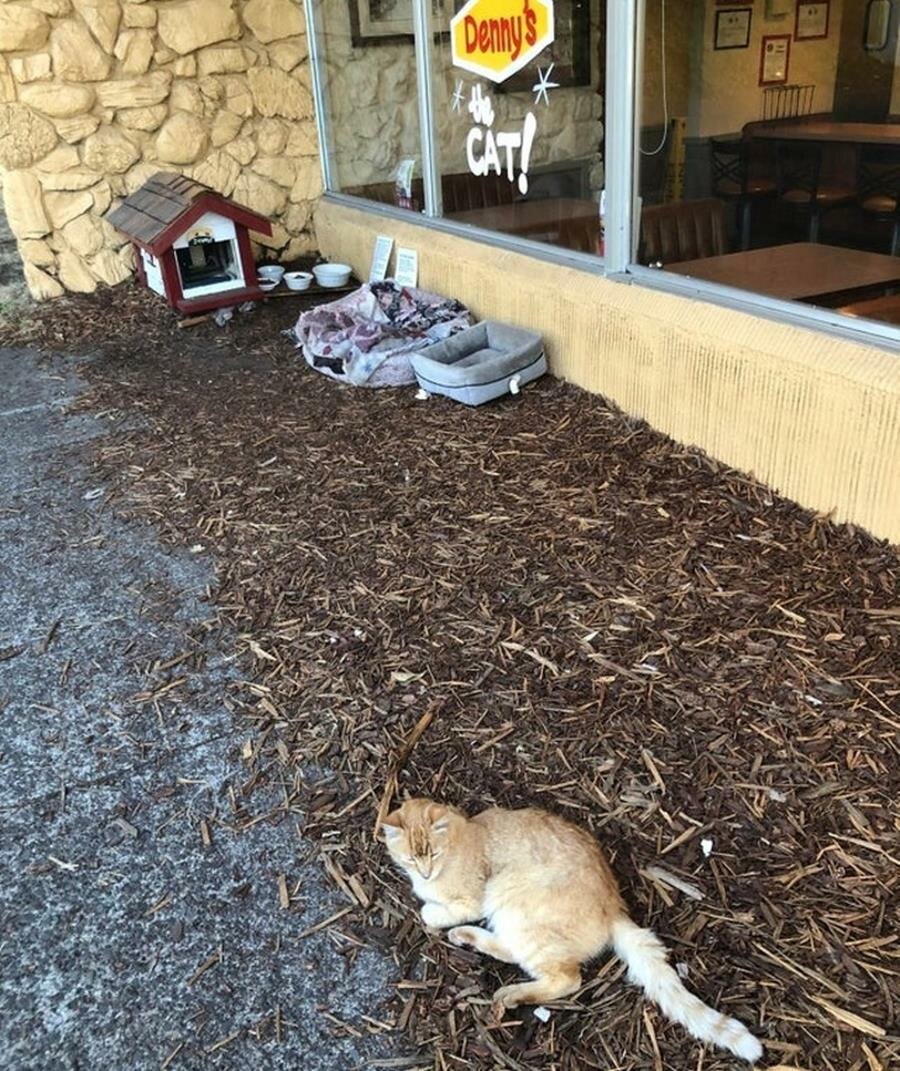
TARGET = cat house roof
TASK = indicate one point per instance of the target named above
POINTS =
(157, 213)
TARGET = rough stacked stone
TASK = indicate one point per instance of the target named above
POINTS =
(25, 136)
(22, 28)
(97, 95)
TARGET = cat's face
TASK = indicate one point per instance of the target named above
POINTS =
(417, 835)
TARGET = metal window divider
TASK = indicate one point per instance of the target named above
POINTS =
(424, 54)
(620, 110)
(314, 38)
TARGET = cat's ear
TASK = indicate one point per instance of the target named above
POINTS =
(392, 826)
(440, 818)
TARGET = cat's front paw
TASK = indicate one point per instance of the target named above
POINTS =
(498, 1008)
(505, 998)
(463, 936)
(435, 916)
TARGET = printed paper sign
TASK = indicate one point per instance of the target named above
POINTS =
(381, 258)
(496, 38)
(407, 273)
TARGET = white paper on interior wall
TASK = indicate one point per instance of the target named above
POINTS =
(407, 273)
(496, 38)
(403, 184)
(484, 146)
(381, 257)
(778, 9)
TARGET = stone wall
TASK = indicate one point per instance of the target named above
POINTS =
(96, 95)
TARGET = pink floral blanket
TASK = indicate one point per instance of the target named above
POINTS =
(365, 338)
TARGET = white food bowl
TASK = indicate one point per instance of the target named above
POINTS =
(330, 275)
(270, 272)
(298, 280)
(268, 284)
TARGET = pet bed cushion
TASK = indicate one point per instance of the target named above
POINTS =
(480, 363)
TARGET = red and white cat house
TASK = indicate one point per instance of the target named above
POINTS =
(192, 245)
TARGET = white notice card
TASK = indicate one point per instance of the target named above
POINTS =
(381, 258)
(407, 272)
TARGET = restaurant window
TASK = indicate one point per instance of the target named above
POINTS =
(518, 105)
(367, 67)
(767, 135)
(769, 151)
(516, 133)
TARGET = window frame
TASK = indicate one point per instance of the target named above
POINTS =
(624, 50)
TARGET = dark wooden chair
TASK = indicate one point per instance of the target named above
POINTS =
(683, 230)
(800, 183)
(577, 234)
(736, 179)
(878, 187)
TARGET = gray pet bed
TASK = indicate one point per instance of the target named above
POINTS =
(481, 362)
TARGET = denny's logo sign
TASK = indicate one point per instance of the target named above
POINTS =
(496, 38)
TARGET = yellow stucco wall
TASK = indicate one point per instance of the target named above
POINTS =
(815, 417)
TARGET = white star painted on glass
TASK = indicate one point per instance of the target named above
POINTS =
(457, 98)
(543, 83)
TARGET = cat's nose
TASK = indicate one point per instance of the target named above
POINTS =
(424, 868)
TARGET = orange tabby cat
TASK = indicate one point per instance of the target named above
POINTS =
(551, 902)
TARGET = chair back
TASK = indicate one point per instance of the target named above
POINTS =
(683, 230)
(729, 158)
(798, 168)
(579, 234)
(878, 176)
(462, 191)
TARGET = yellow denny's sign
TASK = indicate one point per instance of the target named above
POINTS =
(496, 38)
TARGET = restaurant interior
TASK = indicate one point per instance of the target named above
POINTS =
(769, 141)
(779, 166)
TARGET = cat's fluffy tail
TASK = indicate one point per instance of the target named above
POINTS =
(645, 956)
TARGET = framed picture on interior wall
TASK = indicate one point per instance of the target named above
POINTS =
(812, 20)
(732, 28)
(569, 52)
(382, 22)
(774, 59)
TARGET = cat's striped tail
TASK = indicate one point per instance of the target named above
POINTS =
(645, 956)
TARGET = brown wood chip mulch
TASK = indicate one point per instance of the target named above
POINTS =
(602, 622)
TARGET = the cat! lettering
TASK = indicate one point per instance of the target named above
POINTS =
(496, 38)
(484, 146)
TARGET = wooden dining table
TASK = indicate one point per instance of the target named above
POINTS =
(531, 217)
(831, 131)
(800, 271)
